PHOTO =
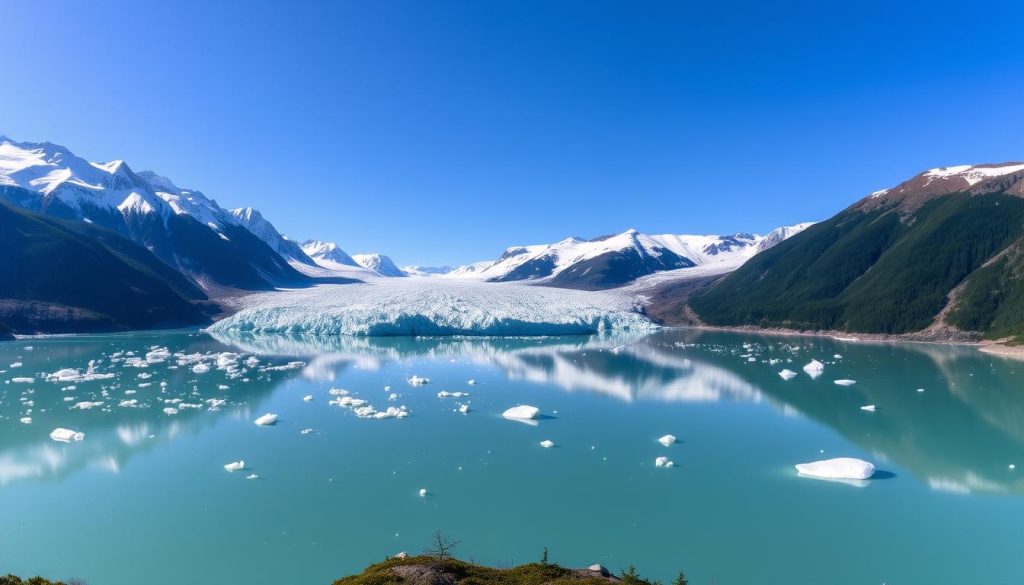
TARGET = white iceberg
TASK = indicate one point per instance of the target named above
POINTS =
(200, 368)
(522, 412)
(787, 374)
(235, 465)
(814, 368)
(845, 382)
(417, 381)
(868, 408)
(423, 492)
(66, 435)
(547, 444)
(838, 468)
(266, 420)
(252, 476)
(663, 462)
(667, 440)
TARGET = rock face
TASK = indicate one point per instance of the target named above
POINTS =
(73, 277)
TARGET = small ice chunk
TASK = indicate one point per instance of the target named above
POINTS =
(308, 398)
(266, 420)
(415, 380)
(26, 420)
(547, 444)
(66, 435)
(838, 468)
(200, 368)
(235, 465)
(787, 374)
(814, 368)
(522, 412)
(463, 408)
(250, 476)
(667, 440)
(845, 382)
(23, 380)
(471, 382)
(663, 462)
(423, 492)
(868, 407)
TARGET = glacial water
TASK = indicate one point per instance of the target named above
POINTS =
(145, 498)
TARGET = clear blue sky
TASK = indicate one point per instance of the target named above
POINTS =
(442, 132)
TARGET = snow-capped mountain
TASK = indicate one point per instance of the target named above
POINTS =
(782, 233)
(379, 263)
(611, 261)
(254, 221)
(327, 254)
(182, 227)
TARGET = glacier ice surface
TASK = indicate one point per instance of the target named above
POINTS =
(424, 306)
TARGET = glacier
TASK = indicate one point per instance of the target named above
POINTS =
(424, 306)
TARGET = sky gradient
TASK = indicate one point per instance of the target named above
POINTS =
(443, 132)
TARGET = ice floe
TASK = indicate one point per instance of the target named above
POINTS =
(235, 465)
(845, 382)
(663, 462)
(868, 408)
(266, 420)
(814, 368)
(667, 440)
(523, 412)
(787, 374)
(66, 435)
(547, 443)
(838, 468)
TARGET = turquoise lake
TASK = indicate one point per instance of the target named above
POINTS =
(145, 498)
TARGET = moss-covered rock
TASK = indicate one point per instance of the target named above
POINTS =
(429, 570)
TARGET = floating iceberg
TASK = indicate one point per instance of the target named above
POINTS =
(814, 368)
(415, 380)
(845, 382)
(235, 465)
(839, 468)
(423, 492)
(547, 444)
(787, 374)
(266, 420)
(663, 462)
(868, 408)
(418, 306)
(66, 435)
(667, 440)
(522, 412)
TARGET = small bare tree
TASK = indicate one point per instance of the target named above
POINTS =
(442, 547)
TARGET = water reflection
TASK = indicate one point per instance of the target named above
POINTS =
(960, 434)
(126, 415)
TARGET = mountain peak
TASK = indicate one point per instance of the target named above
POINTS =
(379, 263)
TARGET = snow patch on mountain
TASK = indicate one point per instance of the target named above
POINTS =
(434, 306)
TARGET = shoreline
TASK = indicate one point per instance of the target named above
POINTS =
(992, 347)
